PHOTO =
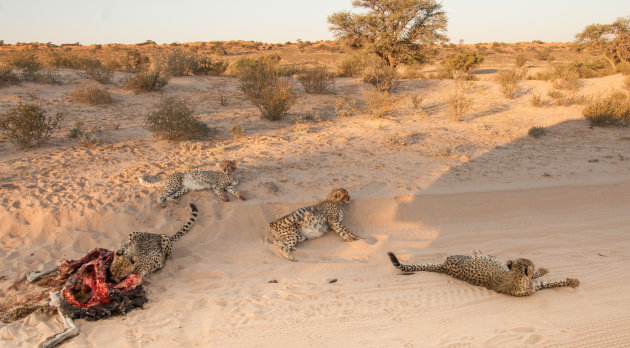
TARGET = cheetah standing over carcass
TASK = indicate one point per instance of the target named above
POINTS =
(144, 253)
(311, 222)
(514, 278)
(179, 183)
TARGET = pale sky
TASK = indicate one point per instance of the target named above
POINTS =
(276, 21)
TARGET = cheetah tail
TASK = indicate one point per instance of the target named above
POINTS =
(404, 268)
(150, 184)
(188, 224)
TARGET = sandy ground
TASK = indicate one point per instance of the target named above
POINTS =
(561, 200)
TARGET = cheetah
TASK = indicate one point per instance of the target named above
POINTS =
(514, 278)
(311, 222)
(179, 183)
(144, 253)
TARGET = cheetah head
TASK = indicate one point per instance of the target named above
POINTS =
(522, 267)
(227, 166)
(339, 194)
(122, 266)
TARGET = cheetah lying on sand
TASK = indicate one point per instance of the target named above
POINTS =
(311, 222)
(179, 183)
(514, 278)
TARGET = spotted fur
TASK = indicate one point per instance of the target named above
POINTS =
(311, 222)
(144, 253)
(179, 183)
(514, 278)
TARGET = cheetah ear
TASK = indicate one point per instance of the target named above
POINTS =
(509, 264)
(119, 252)
(133, 259)
(529, 270)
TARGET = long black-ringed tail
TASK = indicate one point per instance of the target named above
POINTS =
(188, 224)
(394, 259)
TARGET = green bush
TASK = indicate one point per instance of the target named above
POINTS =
(27, 125)
(146, 82)
(461, 62)
(173, 120)
(317, 80)
(612, 109)
(262, 84)
(92, 96)
(206, 66)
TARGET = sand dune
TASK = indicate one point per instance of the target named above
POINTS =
(215, 288)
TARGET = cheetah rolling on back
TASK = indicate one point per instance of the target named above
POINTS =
(514, 278)
(311, 222)
(144, 253)
(179, 183)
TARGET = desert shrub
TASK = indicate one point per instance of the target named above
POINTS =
(611, 109)
(350, 65)
(317, 80)
(537, 132)
(130, 61)
(416, 100)
(92, 96)
(225, 96)
(177, 63)
(25, 61)
(173, 120)
(566, 79)
(383, 77)
(237, 131)
(379, 103)
(537, 101)
(145, 82)
(206, 66)
(98, 73)
(458, 101)
(520, 60)
(8, 77)
(261, 83)
(508, 80)
(63, 59)
(544, 55)
(461, 62)
(27, 125)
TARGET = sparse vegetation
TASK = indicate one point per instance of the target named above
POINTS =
(537, 101)
(508, 80)
(173, 120)
(262, 84)
(520, 60)
(611, 109)
(146, 82)
(458, 101)
(27, 125)
(317, 80)
(350, 65)
(237, 131)
(382, 77)
(92, 96)
(378, 103)
(225, 96)
(537, 132)
(8, 77)
(98, 73)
